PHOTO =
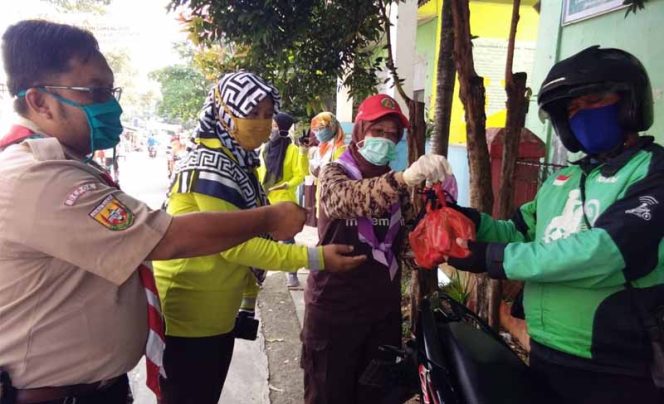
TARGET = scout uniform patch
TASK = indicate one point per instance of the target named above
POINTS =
(113, 214)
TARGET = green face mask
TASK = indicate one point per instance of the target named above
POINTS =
(378, 151)
(103, 119)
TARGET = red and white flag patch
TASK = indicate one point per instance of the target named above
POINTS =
(560, 180)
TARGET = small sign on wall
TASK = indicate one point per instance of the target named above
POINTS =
(577, 10)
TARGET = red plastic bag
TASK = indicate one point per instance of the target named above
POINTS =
(434, 238)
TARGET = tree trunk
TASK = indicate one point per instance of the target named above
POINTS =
(446, 75)
(416, 134)
(423, 282)
(517, 107)
(472, 94)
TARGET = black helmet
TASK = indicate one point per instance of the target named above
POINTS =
(591, 71)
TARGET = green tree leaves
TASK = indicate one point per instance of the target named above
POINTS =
(183, 90)
(83, 6)
(302, 46)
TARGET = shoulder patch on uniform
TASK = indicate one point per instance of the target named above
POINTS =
(113, 214)
(79, 192)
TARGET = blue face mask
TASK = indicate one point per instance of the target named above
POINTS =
(378, 151)
(324, 135)
(598, 129)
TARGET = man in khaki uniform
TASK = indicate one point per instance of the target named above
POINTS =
(73, 310)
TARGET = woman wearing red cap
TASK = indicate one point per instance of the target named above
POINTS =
(363, 203)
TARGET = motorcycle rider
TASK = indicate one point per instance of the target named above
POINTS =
(589, 246)
(152, 145)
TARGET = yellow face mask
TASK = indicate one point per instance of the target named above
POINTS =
(251, 133)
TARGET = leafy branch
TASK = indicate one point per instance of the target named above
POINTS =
(634, 6)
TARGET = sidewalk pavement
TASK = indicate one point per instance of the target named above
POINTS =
(283, 311)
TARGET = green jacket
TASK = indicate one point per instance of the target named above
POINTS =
(576, 303)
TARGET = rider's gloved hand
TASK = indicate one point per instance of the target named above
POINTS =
(473, 214)
(430, 167)
(484, 257)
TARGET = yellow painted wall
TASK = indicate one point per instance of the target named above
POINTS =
(487, 20)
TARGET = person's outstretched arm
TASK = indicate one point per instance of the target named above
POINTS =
(205, 233)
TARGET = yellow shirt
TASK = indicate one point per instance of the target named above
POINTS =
(296, 166)
(201, 296)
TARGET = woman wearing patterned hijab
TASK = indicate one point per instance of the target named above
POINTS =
(201, 296)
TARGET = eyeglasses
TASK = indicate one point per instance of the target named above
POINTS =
(98, 94)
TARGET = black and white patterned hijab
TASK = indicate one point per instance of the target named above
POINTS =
(240, 92)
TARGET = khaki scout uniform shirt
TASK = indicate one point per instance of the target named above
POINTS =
(72, 307)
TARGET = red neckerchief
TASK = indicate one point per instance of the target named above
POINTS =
(154, 349)
(17, 134)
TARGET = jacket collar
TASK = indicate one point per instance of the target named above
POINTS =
(611, 166)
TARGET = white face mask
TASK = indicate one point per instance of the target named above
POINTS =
(378, 151)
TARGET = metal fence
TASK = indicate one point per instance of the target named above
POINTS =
(528, 177)
(544, 170)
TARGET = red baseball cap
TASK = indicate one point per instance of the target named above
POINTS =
(379, 105)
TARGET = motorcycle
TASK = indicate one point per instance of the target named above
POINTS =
(152, 151)
(456, 358)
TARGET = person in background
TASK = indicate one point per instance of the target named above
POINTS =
(283, 168)
(174, 152)
(331, 138)
(204, 297)
(309, 141)
(364, 204)
(305, 142)
(111, 163)
(589, 246)
(152, 144)
(99, 157)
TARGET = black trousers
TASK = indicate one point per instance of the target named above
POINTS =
(574, 385)
(334, 356)
(196, 368)
(117, 393)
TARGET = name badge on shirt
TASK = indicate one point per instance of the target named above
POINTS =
(79, 192)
